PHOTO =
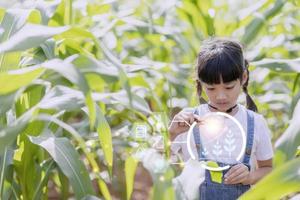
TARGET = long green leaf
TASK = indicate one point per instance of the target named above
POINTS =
(47, 10)
(43, 183)
(105, 138)
(88, 64)
(279, 65)
(67, 158)
(29, 173)
(64, 187)
(124, 80)
(92, 110)
(7, 102)
(288, 142)
(14, 20)
(253, 29)
(81, 142)
(138, 103)
(130, 168)
(13, 80)
(69, 71)
(29, 36)
(280, 182)
(62, 98)
(9, 134)
(5, 161)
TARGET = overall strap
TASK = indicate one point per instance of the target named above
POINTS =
(197, 139)
(250, 137)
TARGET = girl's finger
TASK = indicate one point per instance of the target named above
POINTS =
(197, 118)
(179, 119)
(237, 179)
(235, 170)
(182, 124)
(186, 119)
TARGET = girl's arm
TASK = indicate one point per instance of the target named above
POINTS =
(264, 167)
(181, 123)
(240, 173)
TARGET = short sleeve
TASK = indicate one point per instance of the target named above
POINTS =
(264, 149)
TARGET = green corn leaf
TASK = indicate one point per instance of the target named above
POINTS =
(68, 160)
(9, 133)
(280, 182)
(13, 80)
(279, 65)
(62, 98)
(130, 168)
(29, 36)
(288, 142)
(48, 167)
(105, 138)
(69, 71)
(13, 21)
(81, 142)
(65, 184)
(252, 30)
(5, 161)
(88, 64)
(297, 154)
(7, 102)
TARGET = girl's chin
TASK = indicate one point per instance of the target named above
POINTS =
(223, 107)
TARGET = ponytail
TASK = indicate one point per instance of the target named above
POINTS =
(199, 92)
(250, 103)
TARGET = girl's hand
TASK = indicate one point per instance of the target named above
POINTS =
(182, 122)
(237, 174)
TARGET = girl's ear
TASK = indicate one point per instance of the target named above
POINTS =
(245, 77)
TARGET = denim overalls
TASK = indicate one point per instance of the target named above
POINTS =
(210, 190)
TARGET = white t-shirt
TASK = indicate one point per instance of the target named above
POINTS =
(261, 149)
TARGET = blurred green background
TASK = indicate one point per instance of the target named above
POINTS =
(77, 78)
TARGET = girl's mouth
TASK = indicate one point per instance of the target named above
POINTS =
(222, 103)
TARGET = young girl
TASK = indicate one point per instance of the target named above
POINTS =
(222, 72)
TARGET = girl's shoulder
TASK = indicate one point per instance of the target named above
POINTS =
(255, 114)
(259, 119)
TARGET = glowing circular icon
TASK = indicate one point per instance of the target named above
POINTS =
(212, 129)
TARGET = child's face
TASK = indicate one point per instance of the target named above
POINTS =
(224, 95)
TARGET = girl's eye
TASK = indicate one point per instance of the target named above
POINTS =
(229, 88)
(210, 88)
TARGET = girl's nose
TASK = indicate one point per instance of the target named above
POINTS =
(221, 96)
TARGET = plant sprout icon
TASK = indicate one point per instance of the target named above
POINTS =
(229, 143)
(217, 149)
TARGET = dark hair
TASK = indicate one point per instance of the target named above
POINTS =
(222, 59)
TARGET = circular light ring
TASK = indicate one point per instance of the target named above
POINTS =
(189, 148)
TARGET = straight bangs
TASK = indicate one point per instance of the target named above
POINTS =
(221, 67)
